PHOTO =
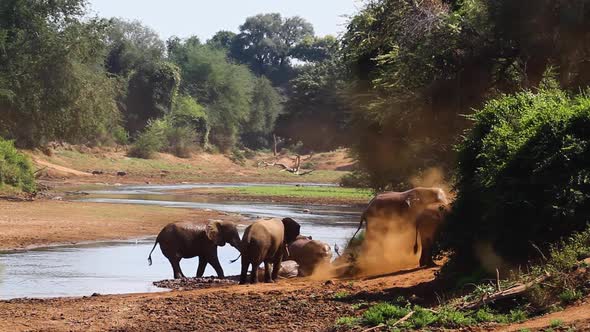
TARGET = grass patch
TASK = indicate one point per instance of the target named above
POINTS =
(347, 321)
(388, 314)
(306, 192)
(341, 295)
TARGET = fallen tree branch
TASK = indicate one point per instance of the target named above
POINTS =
(403, 319)
(374, 327)
(505, 294)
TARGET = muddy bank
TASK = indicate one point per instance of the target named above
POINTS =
(47, 222)
(288, 305)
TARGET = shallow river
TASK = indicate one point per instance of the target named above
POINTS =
(121, 266)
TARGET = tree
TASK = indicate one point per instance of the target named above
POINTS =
(418, 66)
(131, 45)
(316, 110)
(222, 40)
(52, 82)
(152, 88)
(224, 88)
(266, 43)
(266, 107)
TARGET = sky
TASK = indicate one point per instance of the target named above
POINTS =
(184, 18)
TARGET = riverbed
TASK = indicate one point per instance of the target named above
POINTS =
(121, 266)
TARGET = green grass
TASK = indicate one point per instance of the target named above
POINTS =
(306, 192)
(556, 323)
(341, 295)
(388, 314)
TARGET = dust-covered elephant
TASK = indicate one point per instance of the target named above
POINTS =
(428, 224)
(187, 239)
(265, 242)
(309, 254)
(392, 239)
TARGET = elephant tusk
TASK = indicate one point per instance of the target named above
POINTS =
(287, 250)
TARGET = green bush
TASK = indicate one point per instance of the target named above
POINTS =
(523, 175)
(162, 136)
(180, 141)
(149, 142)
(186, 112)
(16, 169)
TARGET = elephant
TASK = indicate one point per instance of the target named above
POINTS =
(266, 241)
(408, 204)
(308, 254)
(289, 269)
(392, 239)
(187, 239)
(428, 224)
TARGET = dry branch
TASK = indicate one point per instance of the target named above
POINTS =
(403, 319)
(505, 294)
(295, 169)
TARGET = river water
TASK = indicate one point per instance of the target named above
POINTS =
(121, 266)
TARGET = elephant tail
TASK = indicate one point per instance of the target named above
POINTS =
(363, 220)
(154, 247)
(235, 260)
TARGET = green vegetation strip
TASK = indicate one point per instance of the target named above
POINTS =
(416, 317)
(306, 191)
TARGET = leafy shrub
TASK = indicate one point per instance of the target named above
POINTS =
(16, 169)
(121, 136)
(162, 136)
(186, 112)
(382, 312)
(148, 143)
(523, 175)
(180, 141)
(347, 321)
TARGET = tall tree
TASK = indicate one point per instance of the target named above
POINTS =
(52, 83)
(266, 43)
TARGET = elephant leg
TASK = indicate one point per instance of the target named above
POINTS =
(276, 265)
(254, 274)
(201, 268)
(214, 261)
(175, 262)
(426, 256)
(267, 272)
(244, 274)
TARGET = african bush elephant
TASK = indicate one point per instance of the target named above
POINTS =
(392, 240)
(266, 241)
(187, 239)
(405, 205)
(309, 254)
(428, 224)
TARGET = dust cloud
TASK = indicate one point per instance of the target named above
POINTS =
(390, 244)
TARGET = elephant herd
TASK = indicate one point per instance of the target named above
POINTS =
(272, 241)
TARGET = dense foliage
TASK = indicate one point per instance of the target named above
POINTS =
(16, 169)
(417, 66)
(52, 82)
(523, 180)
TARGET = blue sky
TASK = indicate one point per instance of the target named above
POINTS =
(184, 18)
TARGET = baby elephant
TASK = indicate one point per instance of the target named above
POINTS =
(266, 241)
(309, 254)
(187, 239)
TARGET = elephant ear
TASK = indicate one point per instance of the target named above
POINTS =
(292, 229)
(213, 232)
